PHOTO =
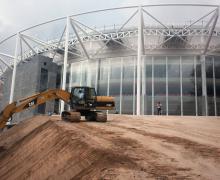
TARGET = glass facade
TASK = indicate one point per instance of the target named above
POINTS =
(175, 81)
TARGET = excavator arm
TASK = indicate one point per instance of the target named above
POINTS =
(31, 102)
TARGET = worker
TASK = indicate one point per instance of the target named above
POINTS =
(159, 108)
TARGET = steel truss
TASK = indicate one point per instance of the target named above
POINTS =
(74, 44)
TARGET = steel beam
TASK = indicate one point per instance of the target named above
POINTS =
(42, 43)
(187, 27)
(64, 30)
(79, 39)
(110, 38)
(27, 44)
(211, 32)
(5, 63)
(7, 55)
(155, 19)
(210, 21)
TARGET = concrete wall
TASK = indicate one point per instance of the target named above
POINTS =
(28, 83)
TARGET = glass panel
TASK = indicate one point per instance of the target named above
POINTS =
(188, 85)
(93, 72)
(210, 87)
(199, 86)
(174, 86)
(103, 77)
(160, 83)
(127, 85)
(76, 74)
(148, 77)
(115, 79)
(84, 66)
(217, 83)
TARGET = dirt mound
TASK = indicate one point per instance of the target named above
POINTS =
(123, 148)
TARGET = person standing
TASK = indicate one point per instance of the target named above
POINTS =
(159, 108)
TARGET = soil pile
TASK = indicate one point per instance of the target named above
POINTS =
(125, 147)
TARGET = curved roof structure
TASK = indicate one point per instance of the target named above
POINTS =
(163, 26)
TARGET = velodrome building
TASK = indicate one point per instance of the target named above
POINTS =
(132, 53)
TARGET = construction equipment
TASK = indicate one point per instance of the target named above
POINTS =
(83, 101)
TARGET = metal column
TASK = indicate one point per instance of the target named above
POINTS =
(65, 62)
(204, 90)
(139, 57)
(14, 69)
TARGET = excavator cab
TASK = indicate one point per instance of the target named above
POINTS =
(83, 97)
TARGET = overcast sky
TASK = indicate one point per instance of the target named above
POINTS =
(19, 14)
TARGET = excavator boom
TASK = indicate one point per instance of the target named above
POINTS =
(31, 102)
(82, 100)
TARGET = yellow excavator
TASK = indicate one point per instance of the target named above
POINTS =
(83, 101)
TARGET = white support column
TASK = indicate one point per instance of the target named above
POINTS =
(139, 58)
(181, 86)
(195, 79)
(121, 81)
(214, 87)
(204, 90)
(65, 62)
(167, 86)
(14, 69)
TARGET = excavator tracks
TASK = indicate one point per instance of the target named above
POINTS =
(96, 116)
(71, 116)
(76, 116)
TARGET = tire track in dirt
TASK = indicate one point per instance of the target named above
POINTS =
(147, 159)
(203, 150)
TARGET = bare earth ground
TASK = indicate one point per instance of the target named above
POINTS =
(126, 147)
